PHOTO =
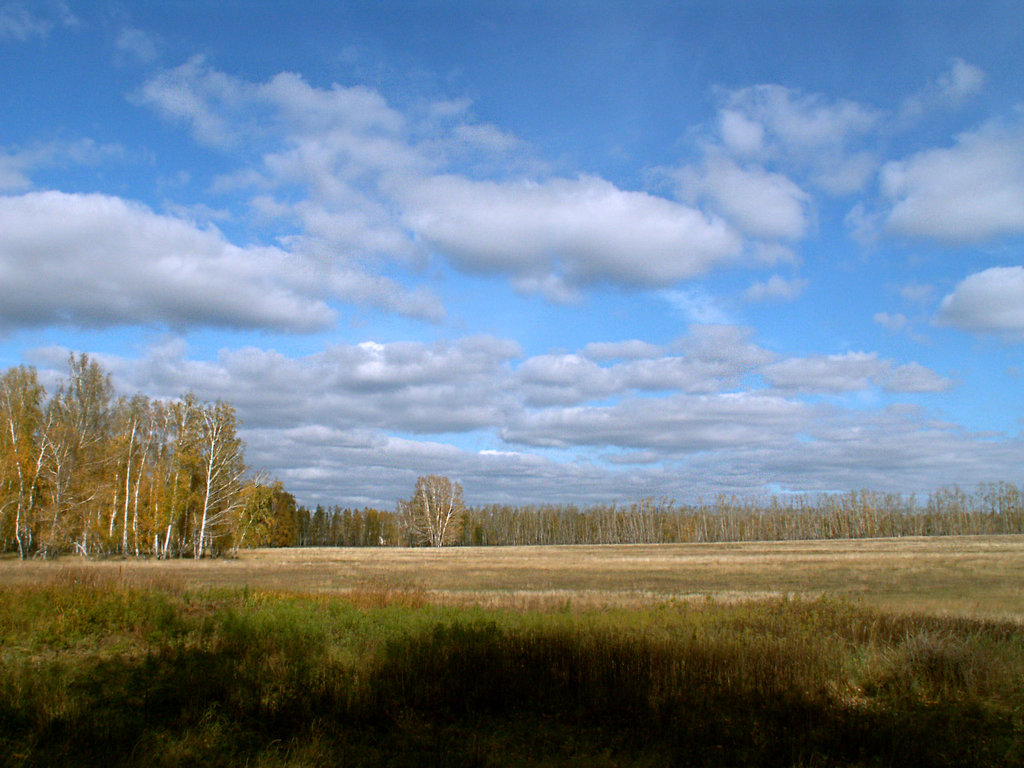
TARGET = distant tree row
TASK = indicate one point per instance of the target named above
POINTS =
(996, 508)
(83, 471)
(991, 509)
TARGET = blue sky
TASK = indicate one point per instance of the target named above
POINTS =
(559, 251)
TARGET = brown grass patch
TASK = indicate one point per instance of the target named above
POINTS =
(970, 576)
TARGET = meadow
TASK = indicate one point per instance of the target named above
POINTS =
(840, 653)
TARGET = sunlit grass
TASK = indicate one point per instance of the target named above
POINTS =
(973, 576)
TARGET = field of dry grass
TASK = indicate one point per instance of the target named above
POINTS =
(643, 655)
(978, 577)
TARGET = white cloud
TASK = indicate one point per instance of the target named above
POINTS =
(776, 288)
(991, 301)
(678, 423)
(969, 192)
(891, 321)
(337, 425)
(948, 91)
(741, 135)
(914, 377)
(96, 260)
(586, 229)
(17, 165)
(917, 292)
(801, 120)
(895, 449)
(852, 372)
(807, 131)
(487, 137)
(632, 349)
(221, 109)
(137, 44)
(697, 306)
(761, 204)
(961, 81)
(376, 186)
(552, 287)
(20, 23)
(192, 93)
(405, 386)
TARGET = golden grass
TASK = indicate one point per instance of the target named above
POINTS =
(969, 576)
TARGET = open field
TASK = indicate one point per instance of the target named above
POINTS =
(850, 654)
(966, 576)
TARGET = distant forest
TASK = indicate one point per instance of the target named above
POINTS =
(82, 471)
(990, 509)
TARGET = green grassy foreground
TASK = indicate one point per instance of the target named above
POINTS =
(95, 671)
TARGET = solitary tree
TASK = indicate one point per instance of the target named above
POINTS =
(434, 513)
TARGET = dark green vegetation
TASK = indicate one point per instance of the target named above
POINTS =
(97, 671)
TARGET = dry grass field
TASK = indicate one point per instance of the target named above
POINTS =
(642, 655)
(976, 577)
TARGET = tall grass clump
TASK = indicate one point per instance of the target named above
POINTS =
(121, 675)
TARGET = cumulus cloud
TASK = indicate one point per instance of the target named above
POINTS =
(808, 131)
(137, 44)
(697, 306)
(991, 301)
(631, 349)
(380, 183)
(585, 228)
(404, 386)
(221, 109)
(19, 23)
(891, 321)
(801, 449)
(679, 423)
(966, 193)
(852, 372)
(15, 167)
(917, 292)
(742, 135)
(97, 260)
(761, 204)
(776, 288)
(356, 423)
(961, 81)
(709, 359)
(18, 164)
(897, 448)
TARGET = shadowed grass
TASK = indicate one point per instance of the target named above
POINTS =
(96, 672)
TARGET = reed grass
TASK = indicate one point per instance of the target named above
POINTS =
(96, 670)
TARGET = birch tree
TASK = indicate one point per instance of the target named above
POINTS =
(21, 455)
(132, 443)
(434, 513)
(223, 468)
(75, 441)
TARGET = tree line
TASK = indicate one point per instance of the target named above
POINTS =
(84, 471)
(994, 508)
